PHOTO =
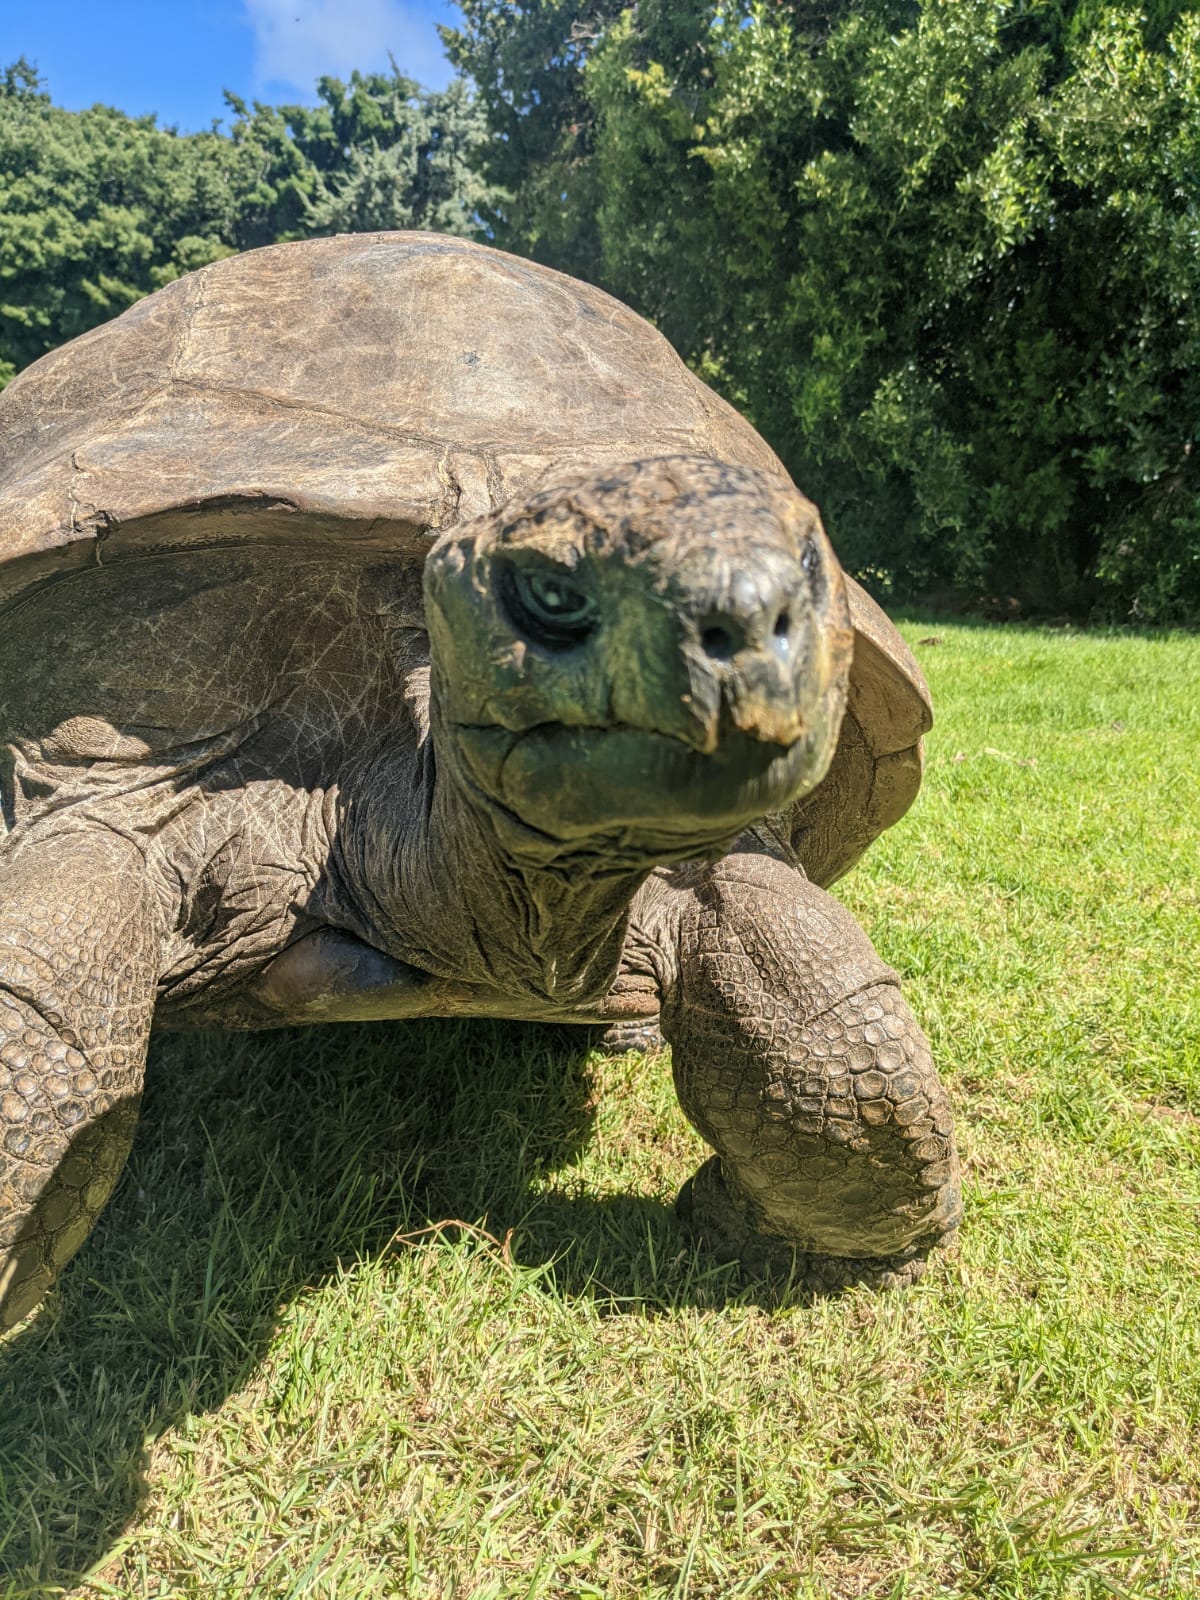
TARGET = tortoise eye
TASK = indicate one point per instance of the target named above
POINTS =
(547, 606)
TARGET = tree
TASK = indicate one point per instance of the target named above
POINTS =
(413, 165)
(96, 209)
(943, 252)
(527, 60)
(378, 152)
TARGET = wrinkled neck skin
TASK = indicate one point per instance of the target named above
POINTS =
(468, 892)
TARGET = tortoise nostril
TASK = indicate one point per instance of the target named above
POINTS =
(718, 643)
(783, 624)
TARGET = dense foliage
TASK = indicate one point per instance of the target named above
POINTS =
(97, 208)
(943, 252)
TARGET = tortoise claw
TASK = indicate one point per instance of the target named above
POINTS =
(711, 1213)
(619, 1038)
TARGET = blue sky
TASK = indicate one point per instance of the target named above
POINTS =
(174, 57)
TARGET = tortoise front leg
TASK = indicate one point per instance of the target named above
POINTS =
(797, 1059)
(78, 967)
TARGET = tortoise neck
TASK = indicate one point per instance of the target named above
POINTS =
(466, 891)
(549, 917)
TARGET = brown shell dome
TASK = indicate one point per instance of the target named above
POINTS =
(372, 390)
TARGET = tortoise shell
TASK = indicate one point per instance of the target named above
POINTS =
(371, 391)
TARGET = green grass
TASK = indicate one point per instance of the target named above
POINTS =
(404, 1311)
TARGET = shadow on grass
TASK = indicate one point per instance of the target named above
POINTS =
(263, 1165)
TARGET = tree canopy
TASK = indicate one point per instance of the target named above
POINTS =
(943, 252)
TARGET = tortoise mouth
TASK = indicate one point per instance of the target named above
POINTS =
(572, 782)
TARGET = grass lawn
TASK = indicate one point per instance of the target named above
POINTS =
(404, 1311)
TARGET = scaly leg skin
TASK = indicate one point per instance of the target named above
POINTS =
(797, 1060)
(78, 967)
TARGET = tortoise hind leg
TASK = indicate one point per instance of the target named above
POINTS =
(797, 1059)
(78, 968)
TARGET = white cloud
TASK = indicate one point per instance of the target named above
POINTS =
(298, 41)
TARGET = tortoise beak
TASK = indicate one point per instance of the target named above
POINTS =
(762, 649)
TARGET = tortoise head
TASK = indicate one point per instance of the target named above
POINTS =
(656, 651)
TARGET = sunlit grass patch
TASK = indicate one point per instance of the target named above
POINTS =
(405, 1311)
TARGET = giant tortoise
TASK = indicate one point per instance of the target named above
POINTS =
(390, 627)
